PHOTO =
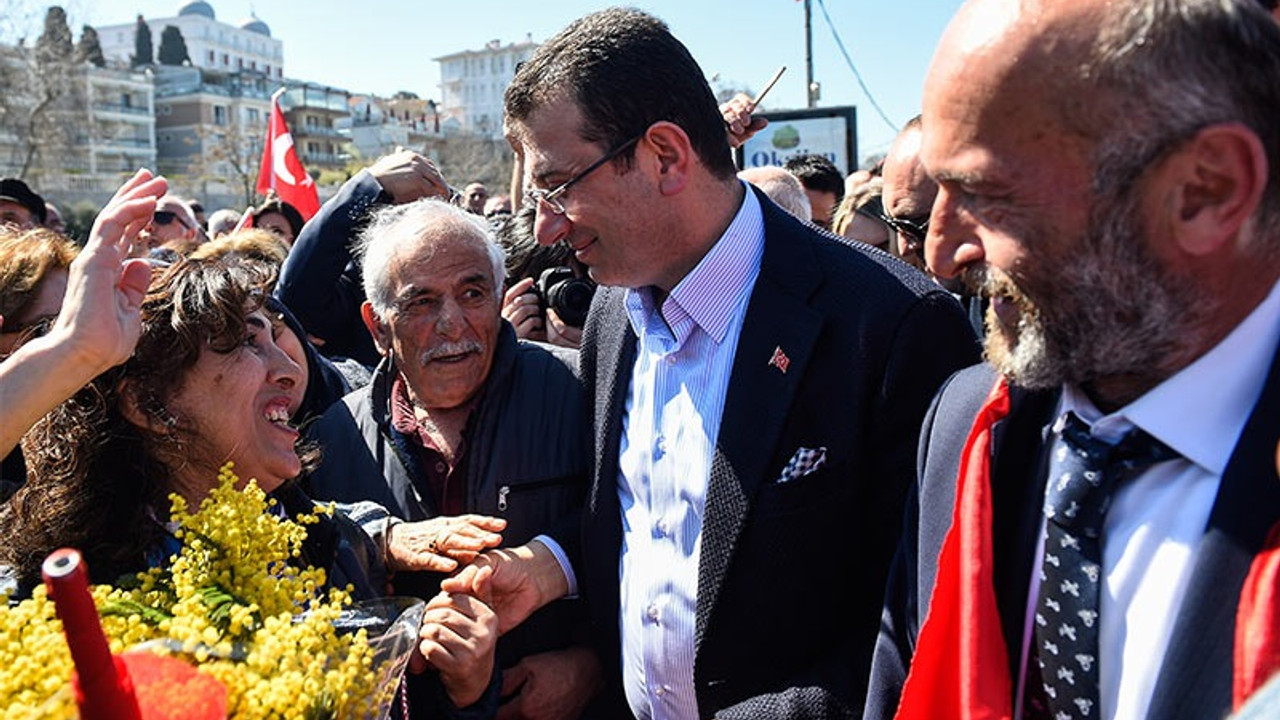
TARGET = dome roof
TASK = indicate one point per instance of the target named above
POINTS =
(197, 7)
(253, 24)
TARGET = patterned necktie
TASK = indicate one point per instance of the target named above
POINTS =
(1083, 472)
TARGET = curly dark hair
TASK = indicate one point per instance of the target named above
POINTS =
(98, 481)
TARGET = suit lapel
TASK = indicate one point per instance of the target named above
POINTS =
(758, 398)
(1195, 677)
(615, 347)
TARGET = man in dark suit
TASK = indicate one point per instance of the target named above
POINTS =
(1111, 186)
(757, 389)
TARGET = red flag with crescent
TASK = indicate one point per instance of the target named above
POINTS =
(282, 171)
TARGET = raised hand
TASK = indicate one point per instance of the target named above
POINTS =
(101, 311)
(408, 176)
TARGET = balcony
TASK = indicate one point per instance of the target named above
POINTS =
(316, 131)
(121, 109)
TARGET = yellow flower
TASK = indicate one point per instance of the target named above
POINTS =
(231, 599)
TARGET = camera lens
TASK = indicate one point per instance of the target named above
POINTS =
(569, 295)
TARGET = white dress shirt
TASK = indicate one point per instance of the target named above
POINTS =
(674, 405)
(1156, 520)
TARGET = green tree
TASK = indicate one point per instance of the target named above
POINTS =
(89, 49)
(142, 52)
(173, 47)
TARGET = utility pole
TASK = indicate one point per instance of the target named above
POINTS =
(812, 89)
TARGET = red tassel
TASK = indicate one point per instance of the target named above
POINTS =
(960, 667)
(102, 685)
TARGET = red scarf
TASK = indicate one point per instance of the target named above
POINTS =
(960, 668)
(1257, 655)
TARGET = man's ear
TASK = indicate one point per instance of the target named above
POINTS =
(377, 328)
(1216, 181)
(671, 146)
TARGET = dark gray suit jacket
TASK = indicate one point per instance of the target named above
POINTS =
(778, 631)
(1195, 679)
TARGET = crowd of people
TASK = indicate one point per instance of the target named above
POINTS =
(987, 430)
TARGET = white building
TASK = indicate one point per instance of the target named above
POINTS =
(121, 120)
(472, 83)
(213, 45)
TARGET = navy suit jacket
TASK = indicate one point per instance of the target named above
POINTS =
(1195, 678)
(790, 580)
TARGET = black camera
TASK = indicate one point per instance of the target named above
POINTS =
(569, 295)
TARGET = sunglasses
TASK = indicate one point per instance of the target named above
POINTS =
(164, 217)
(913, 230)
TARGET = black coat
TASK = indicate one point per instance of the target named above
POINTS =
(869, 341)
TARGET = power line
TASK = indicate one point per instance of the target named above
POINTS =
(858, 76)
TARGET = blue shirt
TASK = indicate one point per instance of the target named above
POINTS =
(684, 357)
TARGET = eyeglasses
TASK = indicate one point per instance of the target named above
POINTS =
(534, 197)
(914, 231)
(164, 217)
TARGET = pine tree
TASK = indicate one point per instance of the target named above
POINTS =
(54, 45)
(173, 47)
(142, 52)
(89, 49)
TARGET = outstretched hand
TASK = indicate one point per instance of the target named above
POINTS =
(519, 581)
(442, 543)
(101, 311)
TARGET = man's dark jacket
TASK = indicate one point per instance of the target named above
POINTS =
(527, 460)
(1195, 678)
(791, 575)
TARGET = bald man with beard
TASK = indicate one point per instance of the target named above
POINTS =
(1111, 187)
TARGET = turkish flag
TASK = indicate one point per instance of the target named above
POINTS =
(282, 171)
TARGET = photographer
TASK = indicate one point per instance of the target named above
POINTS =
(548, 292)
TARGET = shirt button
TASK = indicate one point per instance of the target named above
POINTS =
(652, 613)
(660, 528)
(659, 691)
(440, 467)
(671, 359)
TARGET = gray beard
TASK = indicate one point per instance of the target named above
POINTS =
(1110, 311)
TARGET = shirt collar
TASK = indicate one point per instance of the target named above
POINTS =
(1201, 410)
(709, 295)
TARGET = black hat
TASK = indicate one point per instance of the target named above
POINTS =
(14, 190)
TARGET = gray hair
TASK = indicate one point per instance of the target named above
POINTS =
(782, 187)
(1167, 69)
(394, 226)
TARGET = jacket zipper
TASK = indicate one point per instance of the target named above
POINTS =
(505, 490)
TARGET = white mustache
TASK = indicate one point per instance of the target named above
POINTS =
(447, 349)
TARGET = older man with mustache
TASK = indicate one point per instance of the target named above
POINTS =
(463, 426)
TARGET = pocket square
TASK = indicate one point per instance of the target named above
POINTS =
(804, 462)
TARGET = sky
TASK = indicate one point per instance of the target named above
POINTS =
(380, 47)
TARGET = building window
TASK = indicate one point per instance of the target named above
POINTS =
(252, 115)
(219, 115)
(213, 57)
(226, 59)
